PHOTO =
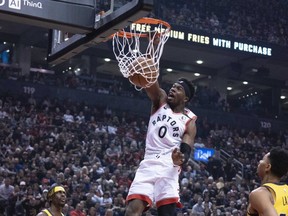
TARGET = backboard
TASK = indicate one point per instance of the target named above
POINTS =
(108, 20)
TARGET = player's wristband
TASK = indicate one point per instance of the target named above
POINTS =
(186, 150)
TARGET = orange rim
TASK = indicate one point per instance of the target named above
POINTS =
(153, 21)
(144, 20)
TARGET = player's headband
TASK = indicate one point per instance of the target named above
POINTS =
(55, 190)
(186, 88)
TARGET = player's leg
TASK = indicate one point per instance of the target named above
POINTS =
(167, 210)
(141, 191)
(135, 207)
(167, 189)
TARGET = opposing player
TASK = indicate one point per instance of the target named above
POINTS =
(271, 198)
(169, 140)
(56, 197)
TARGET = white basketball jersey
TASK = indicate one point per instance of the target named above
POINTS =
(166, 129)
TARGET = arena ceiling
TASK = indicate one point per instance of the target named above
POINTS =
(261, 72)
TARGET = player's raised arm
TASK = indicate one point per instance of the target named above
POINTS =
(138, 60)
(157, 95)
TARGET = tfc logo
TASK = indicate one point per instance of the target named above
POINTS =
(2, 2)
(15, 4)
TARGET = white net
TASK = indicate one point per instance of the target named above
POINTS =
(142, 58)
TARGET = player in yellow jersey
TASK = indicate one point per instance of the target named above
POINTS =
(271, 198)
(56, 197)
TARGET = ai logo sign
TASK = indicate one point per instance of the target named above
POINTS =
(15, 4)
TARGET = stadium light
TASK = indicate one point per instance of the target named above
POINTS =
(199, 61)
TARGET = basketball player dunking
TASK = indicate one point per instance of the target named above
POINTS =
(169, 140)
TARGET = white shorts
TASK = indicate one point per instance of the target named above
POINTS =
(156, 181)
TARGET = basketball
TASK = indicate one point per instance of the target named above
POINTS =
(144, 72)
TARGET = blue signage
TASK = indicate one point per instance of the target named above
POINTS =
(202, 154)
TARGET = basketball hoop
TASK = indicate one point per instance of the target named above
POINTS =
(127, 49)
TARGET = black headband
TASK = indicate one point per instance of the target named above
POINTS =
(186, 88)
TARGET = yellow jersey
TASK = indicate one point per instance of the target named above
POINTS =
(280, 195)
(48, 212)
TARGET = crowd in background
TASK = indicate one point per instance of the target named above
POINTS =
(94, 152)
(253, 20)
(263, 20)
(206, 97)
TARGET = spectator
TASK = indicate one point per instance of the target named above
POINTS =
(68, 117)
(220, 184)
(198, 208)
(6, 191)
(78, 211)
(214, 167)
